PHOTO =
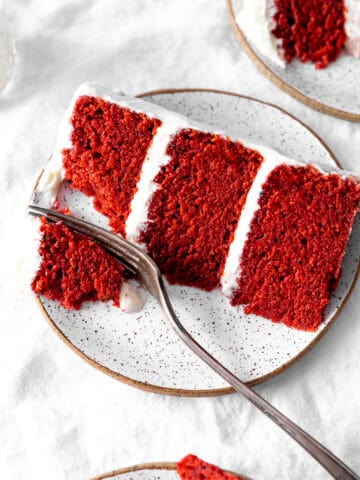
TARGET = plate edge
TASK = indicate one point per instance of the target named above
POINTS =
(147, 466)
(136, 468)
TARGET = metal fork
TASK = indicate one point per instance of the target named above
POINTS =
(147, 273)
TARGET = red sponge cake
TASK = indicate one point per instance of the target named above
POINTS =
(292, 258)
(310, 30)
(212, 211)
(192, 215)
(193, 468)
(74, 269)
(108, 148)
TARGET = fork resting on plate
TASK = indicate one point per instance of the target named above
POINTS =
(148, 274)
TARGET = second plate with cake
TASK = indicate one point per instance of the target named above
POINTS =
(140, 348)
(274, 32)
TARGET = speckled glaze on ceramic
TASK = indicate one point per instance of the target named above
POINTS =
(156, 471)
(147, 475)
(141, 349)
(336, 87)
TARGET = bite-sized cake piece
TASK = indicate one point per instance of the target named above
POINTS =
(75, 269)
(193, 468)
(309, 30)
(212, 211)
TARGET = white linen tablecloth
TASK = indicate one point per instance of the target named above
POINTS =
(59, 417)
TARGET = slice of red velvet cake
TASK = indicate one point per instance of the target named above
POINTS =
(308, 30)
(193, 468)
(213, 212)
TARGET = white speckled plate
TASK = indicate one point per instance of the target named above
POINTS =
(141, 349)
(146, 471)
(334, 90)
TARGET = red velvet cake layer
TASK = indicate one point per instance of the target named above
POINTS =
(109, 147)
(195, 210)
(292, 258)
(310, 30)
(75, 269)
(193, 468)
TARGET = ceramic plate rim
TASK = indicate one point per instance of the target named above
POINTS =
(145, 466)
(136, 468)
(279, 82)
(181, 392)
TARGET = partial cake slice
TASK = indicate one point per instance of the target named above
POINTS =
(308, 30)
(311, 30)
(193, 468)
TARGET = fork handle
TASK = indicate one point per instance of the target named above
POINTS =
(328, 460)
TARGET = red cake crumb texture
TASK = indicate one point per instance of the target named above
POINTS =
(195, 209)
(109, 145)
(75, 269)
(193, 468)
(310, 30)
(292, 259)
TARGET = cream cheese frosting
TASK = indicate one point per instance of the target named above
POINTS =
(156, 157)
(254, 18)
(352, 27)
(132, 297)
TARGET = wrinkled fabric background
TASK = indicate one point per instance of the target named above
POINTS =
(59, 417)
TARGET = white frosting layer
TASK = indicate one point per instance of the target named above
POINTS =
(254, 18)
(352, 27)
(232, 270)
